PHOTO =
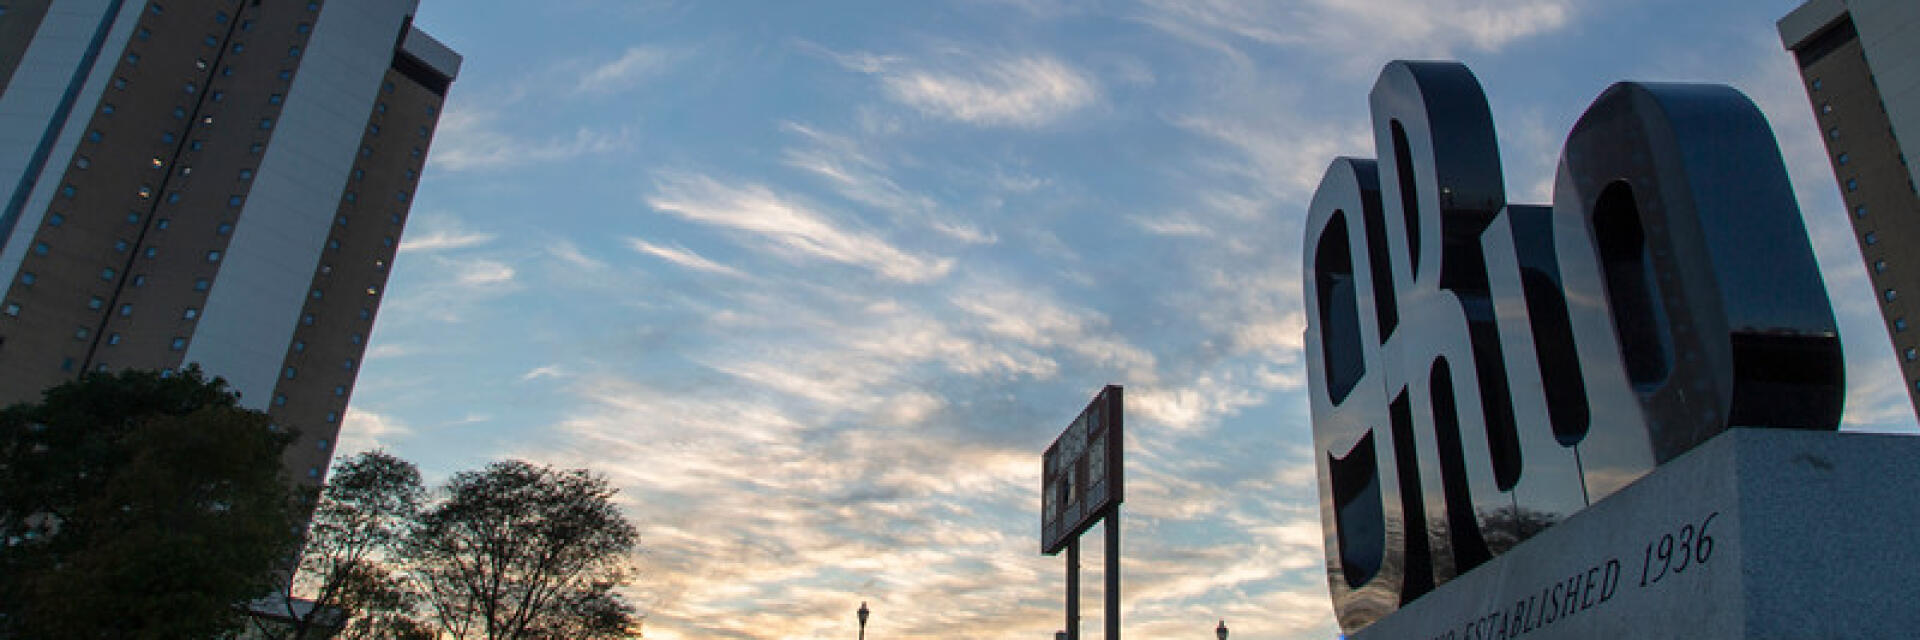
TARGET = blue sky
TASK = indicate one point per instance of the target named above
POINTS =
(815, 283)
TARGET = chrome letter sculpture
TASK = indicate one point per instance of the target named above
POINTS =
(1480, 370)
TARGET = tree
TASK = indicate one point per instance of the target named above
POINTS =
(368, 508)
(138, 504)
(519, 552)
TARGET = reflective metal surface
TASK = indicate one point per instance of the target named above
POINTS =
(1479, 370)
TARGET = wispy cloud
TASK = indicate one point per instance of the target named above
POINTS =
(432, 240)
(632, 68)
(476, 139)
(1023, 92)
(788, 227)
(1370, 30)
(684, 257)
(856, 175)
(1007, 91)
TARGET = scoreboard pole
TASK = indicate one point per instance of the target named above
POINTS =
(1113, 573)
(1073, 589)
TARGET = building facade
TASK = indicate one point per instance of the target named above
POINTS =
(220, 182)
(1860, 60)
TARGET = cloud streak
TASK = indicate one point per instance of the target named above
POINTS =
(788, 227)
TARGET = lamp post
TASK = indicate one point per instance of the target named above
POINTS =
(863, 620)
(1221, 631)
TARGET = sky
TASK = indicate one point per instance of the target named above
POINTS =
(814, 284)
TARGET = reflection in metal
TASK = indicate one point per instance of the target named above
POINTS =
(1492, 368)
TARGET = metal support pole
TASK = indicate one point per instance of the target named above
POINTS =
(1073, 588)
(1113, 574)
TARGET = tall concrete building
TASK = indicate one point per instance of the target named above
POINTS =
(1860, 60)
(221, 182)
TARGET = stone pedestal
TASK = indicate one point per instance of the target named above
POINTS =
(1757, 533)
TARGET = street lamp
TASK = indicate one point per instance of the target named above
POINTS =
(1221, 631)
(863, 620)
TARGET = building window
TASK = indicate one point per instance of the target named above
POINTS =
(106, 274)
(315, 294)
(286, 74)
(355, 338)
(306, 319)
(239, 47)
(1899, 324)
(42, 248)
(173, 197)
(81, 333)
(179, 113)
(1842, 158)
(293, 52)
(1815, 83)
(1853, 185)
(224, 229)
(299, 346)
(303, 28)
(322, 444)
(139, 281)
(347, 365)
(340, 390)
(113, 339)
(56, 219)
(82, 163)
(120, 246)
(1826, 107)
(1911, 354)
(246, 174)
(151, 252)
(190, 313)
(145, 192)
(256, 148)
(234, 201)
(28, 278)
(219, 96)
(126, 311)
(289, 373)
(280, 400)
(177, 344)
(332, 417)
(1860, 211)
(275, 98)
(133, 58)
(266, 123)
(69, 191)
(202, 284)
(95, 135)
(120, 83)
(96, 303)
(1833, 133)
(1889, 295)
(12, 309)
(213, 256)
(1872, 238)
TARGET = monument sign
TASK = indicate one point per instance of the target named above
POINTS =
(1481, 370)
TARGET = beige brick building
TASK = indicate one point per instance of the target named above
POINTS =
(221, 182)
(1860, 60)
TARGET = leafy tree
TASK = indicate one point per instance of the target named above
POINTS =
(366, 511)
(520, 552)
(138, 505)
